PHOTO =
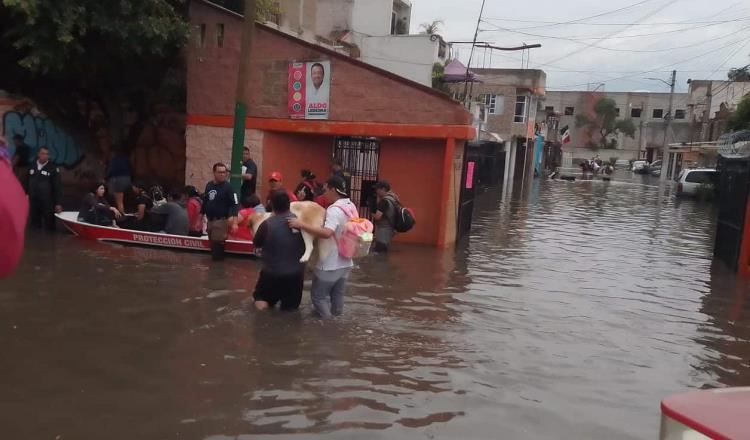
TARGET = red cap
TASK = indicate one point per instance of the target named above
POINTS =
(275, 176)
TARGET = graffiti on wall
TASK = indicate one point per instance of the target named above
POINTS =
(38, 131)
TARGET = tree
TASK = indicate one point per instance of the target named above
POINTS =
(94, 65)
(739, 74)
(602, 125)
(438, 71)
(740, 119)
(431, 28)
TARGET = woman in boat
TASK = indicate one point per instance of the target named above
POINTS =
(96, 209)
(243, 219)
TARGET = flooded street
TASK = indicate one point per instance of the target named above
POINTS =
(568, 313)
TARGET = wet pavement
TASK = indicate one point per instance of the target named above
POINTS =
(569, 312)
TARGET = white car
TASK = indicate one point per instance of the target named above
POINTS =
(689, 180)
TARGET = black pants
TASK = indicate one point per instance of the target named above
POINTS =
(41, 213)
(286, 289)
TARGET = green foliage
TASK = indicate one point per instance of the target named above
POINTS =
(739, 74)
(438, 71)
(431, 28)
(266, 10)
(79, 58)
(740, 119)
(604, 125)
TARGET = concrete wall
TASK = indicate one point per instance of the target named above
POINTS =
(333, 15)
(208, 145)
(372, 17)
(410, 56)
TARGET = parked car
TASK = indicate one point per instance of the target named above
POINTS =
(640, 167)
(688, 181)
(622, 163)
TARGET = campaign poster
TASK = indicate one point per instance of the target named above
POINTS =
(309, 90)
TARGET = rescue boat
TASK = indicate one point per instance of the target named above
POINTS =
(719, 414)
(149, 239)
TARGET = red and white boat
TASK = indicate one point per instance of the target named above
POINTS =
(720, 414)
(151, 239)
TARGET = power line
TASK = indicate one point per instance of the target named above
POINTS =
(579, 20)
(662, 67)
(651, 34)
(612, 49)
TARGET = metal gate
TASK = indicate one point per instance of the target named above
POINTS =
(360, 158)
(468, 184)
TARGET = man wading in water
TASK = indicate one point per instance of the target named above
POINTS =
(220, 208)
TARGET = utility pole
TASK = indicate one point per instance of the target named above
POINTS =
(667, 122)
(240, 108)
(471, 55)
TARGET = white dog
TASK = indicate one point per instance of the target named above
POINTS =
(309, 213)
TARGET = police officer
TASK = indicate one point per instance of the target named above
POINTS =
(220, 206)
(42, 185)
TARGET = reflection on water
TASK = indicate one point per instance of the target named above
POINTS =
(569, 313)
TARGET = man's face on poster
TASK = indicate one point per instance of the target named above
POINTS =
(317, 73)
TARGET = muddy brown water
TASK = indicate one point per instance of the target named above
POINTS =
(570, 312)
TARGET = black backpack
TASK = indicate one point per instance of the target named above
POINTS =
(404, 219)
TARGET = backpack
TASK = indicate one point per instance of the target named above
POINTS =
(403, 219)
(356, 235)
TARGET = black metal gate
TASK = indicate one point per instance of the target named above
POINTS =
(468, 185)
(733, 186)
(360, 158)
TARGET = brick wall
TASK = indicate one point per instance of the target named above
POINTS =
(208, 145)
(358, 92)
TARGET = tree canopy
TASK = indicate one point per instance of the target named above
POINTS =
(739, 74)
(93, 60)
(602, 125)
(740, 119)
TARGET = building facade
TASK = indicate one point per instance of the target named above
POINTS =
(710, 104)
(392, 128)
(648, 111)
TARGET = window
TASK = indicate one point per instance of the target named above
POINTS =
(617, 112)
(635, 112)
(219, 34)
(520, 113)
(658, 113)
(570, 111)
(393, 23)
(201, 40)
(549, 109)
(700, 177)
(679, 114)
(495, 104)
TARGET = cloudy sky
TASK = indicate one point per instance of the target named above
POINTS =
(619, 43)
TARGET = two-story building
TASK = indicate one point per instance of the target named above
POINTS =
(648, 111)
(710, 104)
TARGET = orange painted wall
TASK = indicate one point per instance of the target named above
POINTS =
(289, 153)
(414, 170)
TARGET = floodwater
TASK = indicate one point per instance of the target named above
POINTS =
(569, 313)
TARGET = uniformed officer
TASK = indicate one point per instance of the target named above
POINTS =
(220, 207)
(42, 185)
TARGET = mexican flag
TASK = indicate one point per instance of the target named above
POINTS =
(565, 133)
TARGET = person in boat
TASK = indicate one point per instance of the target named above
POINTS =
(282, 276)
(247, 204)
(196, 220)
(96, 210)
(143, 205)
(175, 213)
(275, 183)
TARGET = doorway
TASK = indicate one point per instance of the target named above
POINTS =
(361, 160)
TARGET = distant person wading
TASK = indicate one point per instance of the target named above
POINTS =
(220, 206)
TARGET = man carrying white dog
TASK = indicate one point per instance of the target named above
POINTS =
(282, 276)
(332, 272)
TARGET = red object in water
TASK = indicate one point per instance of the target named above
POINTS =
(14, 210)
(721, 414)
(151, 239)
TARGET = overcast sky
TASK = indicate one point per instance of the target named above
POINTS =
(619, 42)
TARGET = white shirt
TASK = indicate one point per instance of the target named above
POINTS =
(335, 221)
(39, 166)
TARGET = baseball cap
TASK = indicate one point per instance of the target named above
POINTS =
(275, 176)
(338, 184)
